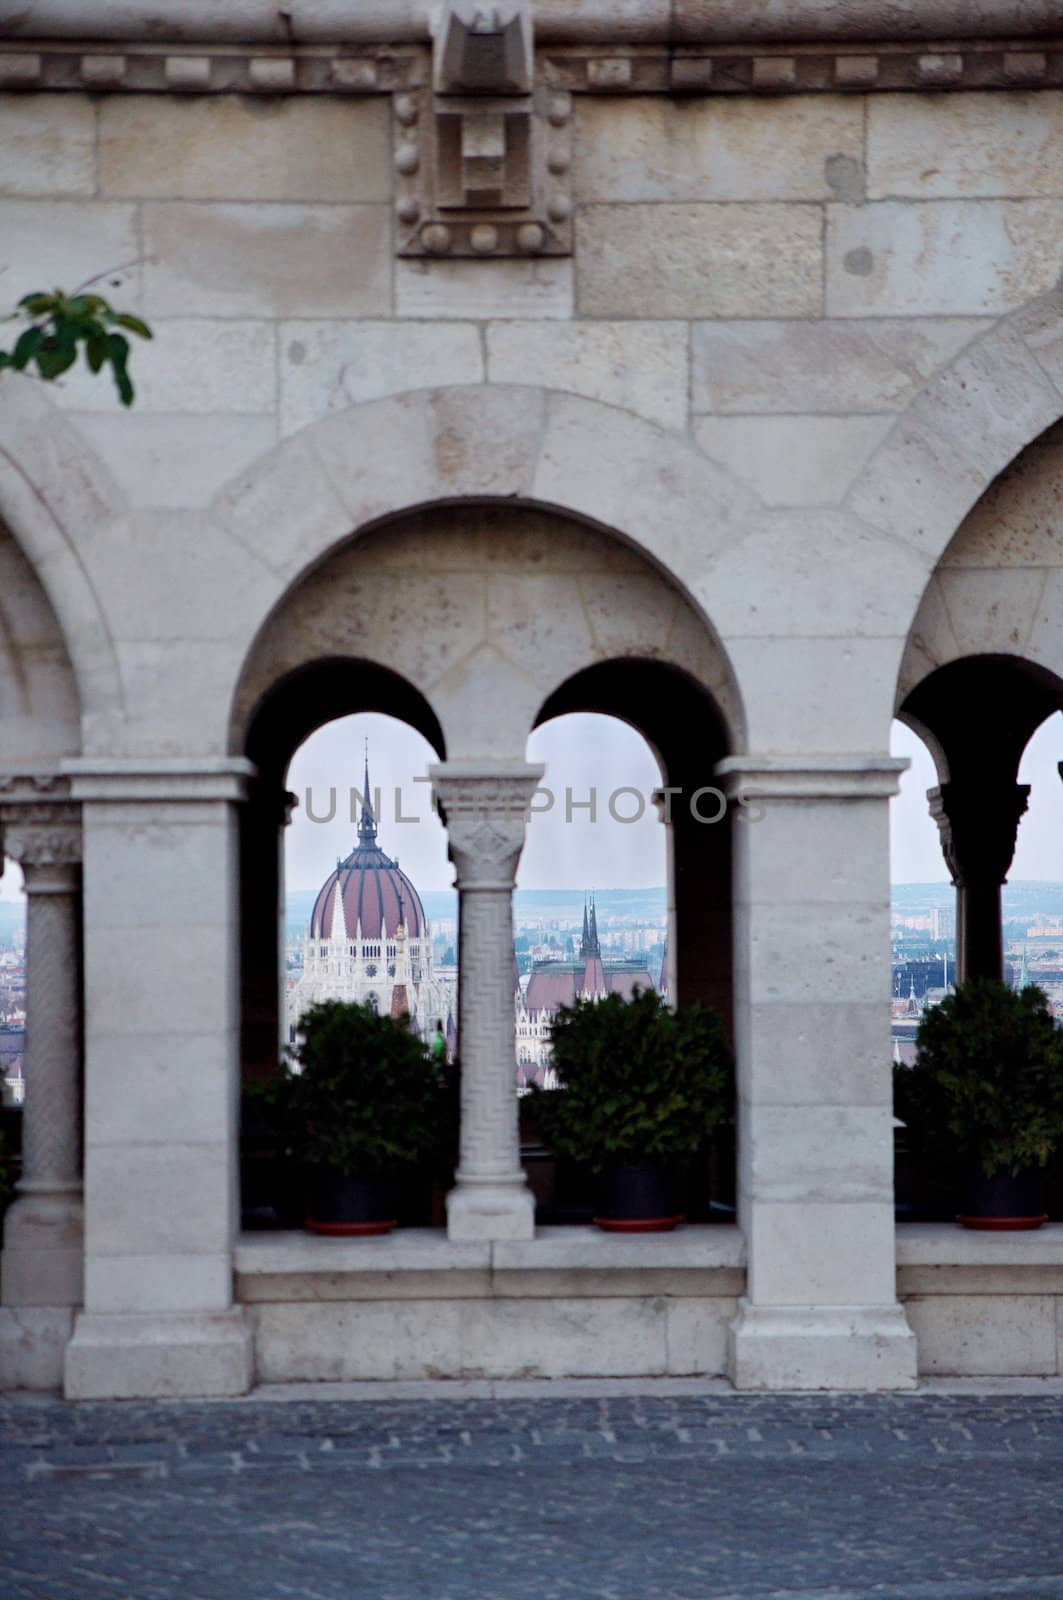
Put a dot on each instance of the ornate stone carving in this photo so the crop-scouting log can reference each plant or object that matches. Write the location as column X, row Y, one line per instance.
column 486, row 812
column 483, row 157
column 978, row 823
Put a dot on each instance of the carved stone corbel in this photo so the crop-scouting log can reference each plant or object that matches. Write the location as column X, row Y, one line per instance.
column 483, row 155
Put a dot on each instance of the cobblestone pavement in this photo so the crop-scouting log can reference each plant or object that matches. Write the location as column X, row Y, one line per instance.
column 689, row 1497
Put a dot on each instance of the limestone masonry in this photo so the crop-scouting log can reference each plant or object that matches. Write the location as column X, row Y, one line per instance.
column 702, row 364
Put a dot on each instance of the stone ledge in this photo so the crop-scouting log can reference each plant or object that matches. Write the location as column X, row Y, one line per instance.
column 422, row 1263
column 944, row 1244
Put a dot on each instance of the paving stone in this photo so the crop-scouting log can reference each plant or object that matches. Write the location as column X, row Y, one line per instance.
column 743, row 1497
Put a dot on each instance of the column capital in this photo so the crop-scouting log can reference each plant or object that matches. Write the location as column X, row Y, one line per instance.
column 978, row 820
column 811, row 777
column 45, row 839
column 485, row 808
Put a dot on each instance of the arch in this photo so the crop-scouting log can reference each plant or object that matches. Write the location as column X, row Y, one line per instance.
column 963, row 430
column 485, row 608
column 998, row 588
column 347, row 473
column 55, row 494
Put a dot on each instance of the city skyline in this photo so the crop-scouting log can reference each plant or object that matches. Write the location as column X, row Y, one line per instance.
column 584, row 752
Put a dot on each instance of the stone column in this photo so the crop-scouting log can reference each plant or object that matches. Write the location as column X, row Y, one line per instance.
column 161, row 1081
column 42, row 1269
column 485, row 810
column 978, row 819
column 815, row 1136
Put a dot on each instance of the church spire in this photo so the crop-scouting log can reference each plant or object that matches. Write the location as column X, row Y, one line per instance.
column 367, row 821
column 594, row 948
column 585, row 942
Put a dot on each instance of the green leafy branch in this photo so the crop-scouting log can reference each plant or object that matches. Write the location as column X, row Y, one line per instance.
column 59, row 323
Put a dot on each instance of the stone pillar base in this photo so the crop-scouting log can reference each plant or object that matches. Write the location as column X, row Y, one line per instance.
column 491, row 1211
column 43, row 1261
column 33, row 1341
column 821, row 1347
column 185, row 1355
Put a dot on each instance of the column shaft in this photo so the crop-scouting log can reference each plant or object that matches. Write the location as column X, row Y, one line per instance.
column 485, row 811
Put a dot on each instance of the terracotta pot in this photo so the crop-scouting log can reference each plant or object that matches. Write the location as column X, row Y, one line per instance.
column 638, row 1199
column 349, row 1207
column 1009, row 1202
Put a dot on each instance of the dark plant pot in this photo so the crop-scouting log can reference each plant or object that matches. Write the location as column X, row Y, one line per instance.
column 349, row 1207
column 638, row 1200
column 1007, row 1202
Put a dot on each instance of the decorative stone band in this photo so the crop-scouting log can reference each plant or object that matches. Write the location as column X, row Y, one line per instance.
column 485, row 809
column 166, row 782
column 612, row 66
column 840, row 777
column 568, row 22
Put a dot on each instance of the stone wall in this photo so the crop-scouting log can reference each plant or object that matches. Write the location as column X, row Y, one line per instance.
column 754, row 424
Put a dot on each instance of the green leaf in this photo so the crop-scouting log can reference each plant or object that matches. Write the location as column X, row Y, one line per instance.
column 96, row 350
column 26, row 348
column 134, row 324
column 53, row 362
column 37, row 304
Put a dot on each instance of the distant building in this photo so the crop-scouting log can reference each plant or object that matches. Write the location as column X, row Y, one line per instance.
column 553, row 984
column 368, row 940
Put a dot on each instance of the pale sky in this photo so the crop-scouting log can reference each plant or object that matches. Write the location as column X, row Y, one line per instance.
column 582, row 753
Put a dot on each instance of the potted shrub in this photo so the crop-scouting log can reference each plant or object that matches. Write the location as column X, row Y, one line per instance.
column 984, row 1099
column 640, row 1089
column 362, row 1101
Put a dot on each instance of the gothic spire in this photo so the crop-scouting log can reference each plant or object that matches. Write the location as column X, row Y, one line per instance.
column 594, row 948
column 367, row 821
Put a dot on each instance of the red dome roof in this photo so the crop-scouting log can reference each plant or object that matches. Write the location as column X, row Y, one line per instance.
column 376, row 895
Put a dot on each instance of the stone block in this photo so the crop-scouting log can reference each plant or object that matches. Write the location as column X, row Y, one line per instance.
column 641, row 366
column 628, row 475
column 179, row 974
column 178, row 1084
column 189, row 366
column 327, row 366
column 33, row 1343
column 917, row 487
column 720, row 148
column 245, row 147
column 160, row 1197
column 138, row 1357
column 630, row 614
column 958, row 257
column 813, row 1053
column 285, row 511
column 794, row 460
column 1011, row 526
column 49, row 242
column 158, row 1282
column 993, row 612
column 964, row 146
column 995, row 396
column 818, row 1154
column 823, row 366
column 700, row 260
column 831, row 1254
column 984, row 1335
column 176, row 461
column 696, row 1334
column 263, row 260
column 760, row 584
column 1041, row 325
column 540, row 625
column 484, row 289
column 49, row 145
column 786, row 859
column 851, row 944
column 855, row 678
column 802, row 1347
